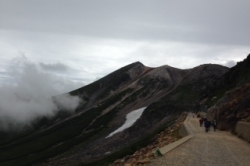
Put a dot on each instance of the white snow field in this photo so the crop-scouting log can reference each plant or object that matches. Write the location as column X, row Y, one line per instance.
column 131, row 118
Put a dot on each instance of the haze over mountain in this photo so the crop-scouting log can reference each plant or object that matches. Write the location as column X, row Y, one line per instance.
column 29, row 95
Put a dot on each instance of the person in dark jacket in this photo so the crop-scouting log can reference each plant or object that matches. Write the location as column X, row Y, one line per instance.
column 215, row 125
column 207, row 125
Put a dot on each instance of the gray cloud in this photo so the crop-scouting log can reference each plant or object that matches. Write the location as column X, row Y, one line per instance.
column 89, row 58
column 54, row 67
column 230, row 63
column 30, row 97
column 214, row 22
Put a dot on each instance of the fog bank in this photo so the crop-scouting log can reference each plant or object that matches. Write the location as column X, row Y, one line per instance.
column 29, row 96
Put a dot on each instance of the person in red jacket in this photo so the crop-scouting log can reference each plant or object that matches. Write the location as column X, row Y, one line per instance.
column 201, row 121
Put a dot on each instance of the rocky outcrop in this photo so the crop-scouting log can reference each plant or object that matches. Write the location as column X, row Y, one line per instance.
column 230, row 97
column 233, row 107
column 237, row 75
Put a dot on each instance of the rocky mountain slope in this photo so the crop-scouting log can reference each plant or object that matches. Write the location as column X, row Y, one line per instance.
column 231, row 96
column 80, row 139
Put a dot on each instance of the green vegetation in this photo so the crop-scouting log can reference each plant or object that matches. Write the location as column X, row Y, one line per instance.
column 212, row 101
column 185, row 94
column 182, row 98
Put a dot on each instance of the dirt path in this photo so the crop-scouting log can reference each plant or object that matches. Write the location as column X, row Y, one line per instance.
column 207, row 149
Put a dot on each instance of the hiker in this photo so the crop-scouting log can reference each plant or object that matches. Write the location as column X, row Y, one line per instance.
column 215, row 125
column 201, row 121
column 207, row 124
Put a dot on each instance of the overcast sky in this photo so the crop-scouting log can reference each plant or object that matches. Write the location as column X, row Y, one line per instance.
column 82, row 41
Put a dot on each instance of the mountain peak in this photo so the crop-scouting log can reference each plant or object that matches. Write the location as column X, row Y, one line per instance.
column 137, row 63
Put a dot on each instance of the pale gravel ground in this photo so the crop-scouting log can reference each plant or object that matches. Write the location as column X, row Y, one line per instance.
column 207, row 149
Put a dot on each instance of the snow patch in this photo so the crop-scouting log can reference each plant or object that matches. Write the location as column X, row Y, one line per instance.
column 131, row 118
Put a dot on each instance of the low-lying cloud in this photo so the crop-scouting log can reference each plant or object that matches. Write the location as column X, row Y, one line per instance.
column 54, row 67
column 230, row 63
column 30, row 95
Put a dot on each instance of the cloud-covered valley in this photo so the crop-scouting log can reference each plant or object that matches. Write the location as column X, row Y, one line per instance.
column 29, row 96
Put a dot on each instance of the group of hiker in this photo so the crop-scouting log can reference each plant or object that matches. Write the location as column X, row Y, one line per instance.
column 207, row 124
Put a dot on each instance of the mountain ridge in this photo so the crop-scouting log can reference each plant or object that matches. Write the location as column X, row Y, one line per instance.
column 165, row 91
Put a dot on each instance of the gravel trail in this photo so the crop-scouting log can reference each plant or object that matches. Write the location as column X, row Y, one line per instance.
column 218, row 148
